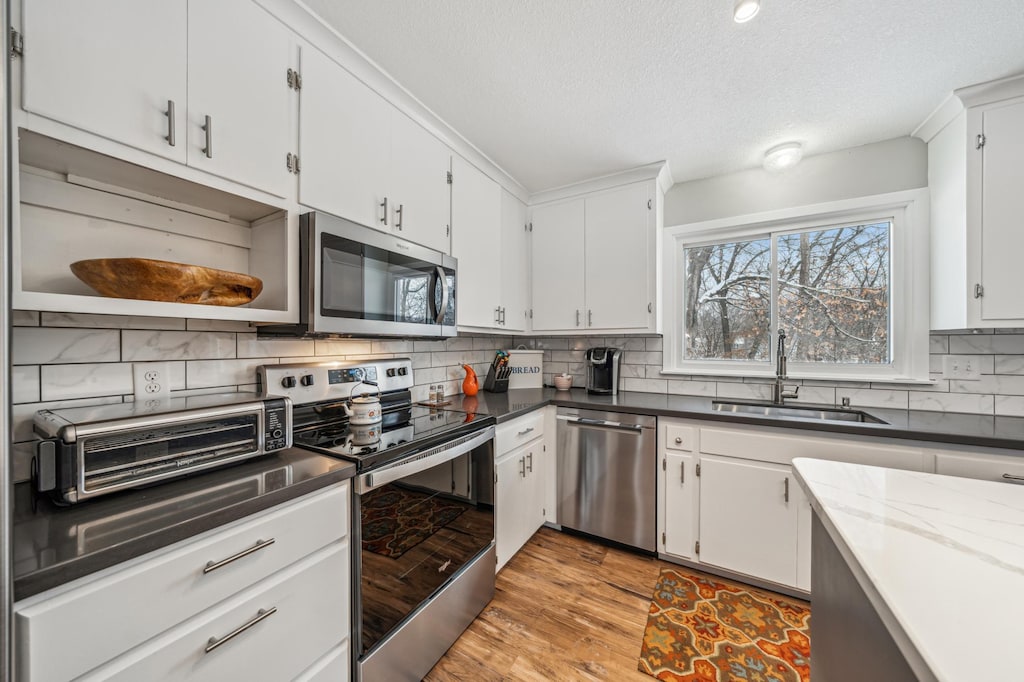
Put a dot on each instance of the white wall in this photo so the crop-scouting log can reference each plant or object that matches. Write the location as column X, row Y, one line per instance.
column 888, row 166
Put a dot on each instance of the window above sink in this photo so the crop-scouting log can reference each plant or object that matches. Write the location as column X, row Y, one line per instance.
column 847, row 282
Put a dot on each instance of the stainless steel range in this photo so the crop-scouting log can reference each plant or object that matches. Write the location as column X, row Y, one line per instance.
column 423, row 504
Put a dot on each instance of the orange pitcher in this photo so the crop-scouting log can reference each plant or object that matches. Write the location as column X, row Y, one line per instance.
column 470, row 385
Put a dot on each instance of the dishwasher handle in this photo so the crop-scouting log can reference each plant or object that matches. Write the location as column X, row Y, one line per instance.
column 602, row 423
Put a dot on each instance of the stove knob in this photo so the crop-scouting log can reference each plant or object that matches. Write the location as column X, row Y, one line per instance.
column 402, row 371
column 307, row 380
column 288, row 382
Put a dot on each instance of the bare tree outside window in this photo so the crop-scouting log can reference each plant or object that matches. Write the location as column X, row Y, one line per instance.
column 832, row 296
column 728, row 301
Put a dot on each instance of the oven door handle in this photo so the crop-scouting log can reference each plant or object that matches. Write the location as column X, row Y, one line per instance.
column 422, row 461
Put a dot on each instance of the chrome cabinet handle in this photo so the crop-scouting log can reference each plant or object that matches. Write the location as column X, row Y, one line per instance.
column 529, row 462
column 522, row 467
column 497, row 315
column 1011, row 477
column 384, row 205
column 208, row 129
column 577, row 318
column 502, row 316
column 171, row 139
column 398, row 213
column 262, row 614
column 786, row 494
column 682, row 472
column 525, row 431
column 590, row 318
column 679, row 441
column 214, row 565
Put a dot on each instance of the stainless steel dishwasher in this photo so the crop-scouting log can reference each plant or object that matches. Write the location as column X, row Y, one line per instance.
column 606, row 475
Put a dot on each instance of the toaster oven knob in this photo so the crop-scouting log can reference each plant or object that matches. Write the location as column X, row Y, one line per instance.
column 307, row 380
column 402, row 371
column 390, row 372
column 276, row 433
column 288, row 382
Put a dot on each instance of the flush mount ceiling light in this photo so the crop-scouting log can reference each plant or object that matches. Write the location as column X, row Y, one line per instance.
column 745, row 10
column 783, row 156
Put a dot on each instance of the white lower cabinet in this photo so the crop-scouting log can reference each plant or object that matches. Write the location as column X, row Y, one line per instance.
column 1002, row 468
column 681, row 504
column 155, row 616
column 334, row 667
column 521, row 486
column 748, row 519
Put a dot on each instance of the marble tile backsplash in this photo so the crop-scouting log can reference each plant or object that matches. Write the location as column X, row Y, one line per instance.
column 999, row 354
column 64, row 360
column 67, row 360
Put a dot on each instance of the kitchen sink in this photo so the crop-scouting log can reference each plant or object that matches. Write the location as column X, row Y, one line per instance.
column 796, row 412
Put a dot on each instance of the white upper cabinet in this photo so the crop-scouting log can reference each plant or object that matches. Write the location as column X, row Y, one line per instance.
column 595, row 261
column 619, row 252
column 559, row 297
column 110, row 67
column 1002, row 211
column 975, row 165
column 162, row 77
column 421, row 195
column 238, row 95
column 476, row 243
column 344, row 143
column 515, row 272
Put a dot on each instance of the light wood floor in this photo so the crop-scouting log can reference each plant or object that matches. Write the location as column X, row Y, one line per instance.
column 565, row 609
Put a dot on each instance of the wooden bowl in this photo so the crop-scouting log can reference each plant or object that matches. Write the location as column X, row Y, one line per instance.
column 159, row 280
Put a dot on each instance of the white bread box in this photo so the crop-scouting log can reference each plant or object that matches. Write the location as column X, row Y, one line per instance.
column 527, row 368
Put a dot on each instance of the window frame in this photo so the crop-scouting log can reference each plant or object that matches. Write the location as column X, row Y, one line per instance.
column 909, row 285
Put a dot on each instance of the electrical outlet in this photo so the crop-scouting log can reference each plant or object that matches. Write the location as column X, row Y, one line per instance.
column 152, row 380
column 962, row 367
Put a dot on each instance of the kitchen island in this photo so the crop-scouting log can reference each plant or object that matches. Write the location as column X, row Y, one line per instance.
column 915, row 576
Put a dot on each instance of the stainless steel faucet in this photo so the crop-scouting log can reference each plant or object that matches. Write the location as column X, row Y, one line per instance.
column 779, row 392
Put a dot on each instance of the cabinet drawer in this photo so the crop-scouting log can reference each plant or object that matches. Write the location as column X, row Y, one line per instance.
column 69, row 630
column 305, row 611
column 986, row 467
column 335, row 666
column 679, row 437
column 518, row 431
column 783, row 448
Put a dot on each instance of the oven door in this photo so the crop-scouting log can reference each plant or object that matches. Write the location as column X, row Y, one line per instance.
column 364, row 281
column 421, row 521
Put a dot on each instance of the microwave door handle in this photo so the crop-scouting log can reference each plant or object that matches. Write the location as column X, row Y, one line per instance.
column 445, row 293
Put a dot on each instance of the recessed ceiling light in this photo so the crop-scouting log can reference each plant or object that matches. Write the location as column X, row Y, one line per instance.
column 745, row 10
column 783, row 156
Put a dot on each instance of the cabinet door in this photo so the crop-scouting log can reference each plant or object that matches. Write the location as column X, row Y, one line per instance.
column 344, row 143
column 1002, row 205
column 239, row 85
column 536, row 492
column 681, row 509
column 109, row 67
column 748, row 520
column 618, row 258
column 476, row 243
column 509, row 504
column 515, row 270
column 558, row 273
column 421, row 195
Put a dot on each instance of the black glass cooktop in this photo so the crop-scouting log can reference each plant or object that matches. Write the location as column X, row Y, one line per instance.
column 402, row 431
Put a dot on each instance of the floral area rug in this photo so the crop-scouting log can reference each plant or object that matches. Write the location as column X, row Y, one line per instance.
column 396, row 519
column 711, row 630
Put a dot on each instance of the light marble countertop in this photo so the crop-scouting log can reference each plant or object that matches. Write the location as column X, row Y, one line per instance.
column 941, row 559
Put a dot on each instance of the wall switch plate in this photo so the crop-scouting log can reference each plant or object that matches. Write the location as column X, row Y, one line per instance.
column 962, row 367
column 152, row 380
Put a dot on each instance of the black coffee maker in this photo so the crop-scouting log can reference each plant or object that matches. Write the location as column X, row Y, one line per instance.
column 603, row 370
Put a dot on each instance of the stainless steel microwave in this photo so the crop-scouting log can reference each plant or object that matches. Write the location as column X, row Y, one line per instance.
column 357, row 281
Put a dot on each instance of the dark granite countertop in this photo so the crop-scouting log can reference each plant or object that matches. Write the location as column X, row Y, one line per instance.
column 54, row 545
column 976, row 430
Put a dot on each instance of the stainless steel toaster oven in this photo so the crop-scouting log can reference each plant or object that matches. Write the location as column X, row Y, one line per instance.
column 85, row 452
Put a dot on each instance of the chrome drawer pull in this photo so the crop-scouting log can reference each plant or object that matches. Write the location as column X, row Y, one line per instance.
column 525, row 431
column 1011, row 477
column 214, row 565
column 262, row 614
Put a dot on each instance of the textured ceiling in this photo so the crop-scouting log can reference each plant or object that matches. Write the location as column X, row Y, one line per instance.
column 558, row 91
